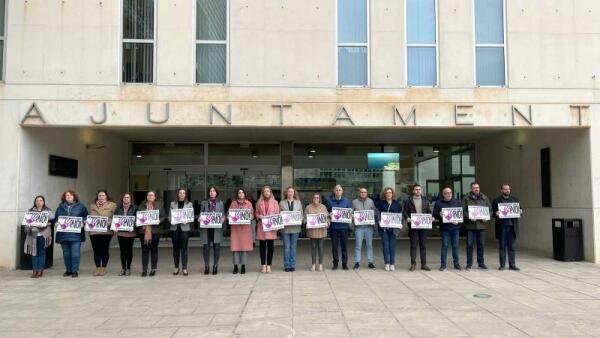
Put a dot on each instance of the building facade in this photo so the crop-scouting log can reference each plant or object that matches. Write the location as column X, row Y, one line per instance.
column 155, row 94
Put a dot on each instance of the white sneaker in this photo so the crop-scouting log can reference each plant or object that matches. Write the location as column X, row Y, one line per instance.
column 313, row 268
column 320, row 267
column 392, row 267
column 387, row 267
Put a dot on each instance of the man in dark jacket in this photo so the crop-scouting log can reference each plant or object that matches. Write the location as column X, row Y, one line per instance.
column 476, row 227
column 450, row 231
column 339, row 231
column 507, row 229
column 418, row 237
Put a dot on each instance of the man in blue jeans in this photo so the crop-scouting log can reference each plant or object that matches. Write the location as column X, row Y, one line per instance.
column 507, row 229
column 450, row 230
column 339, row 231
column 363, row 202
column 475, row 227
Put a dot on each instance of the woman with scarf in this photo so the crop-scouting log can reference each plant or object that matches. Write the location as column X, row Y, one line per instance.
column 265, row 206
column 126, row 238
column 180, row 233
column 316, row 235
column 39, row 238
column 241, row 234
column 102, row 206
column 212, row 235
column 71, row 242
column 150, row 236
column 290, row 233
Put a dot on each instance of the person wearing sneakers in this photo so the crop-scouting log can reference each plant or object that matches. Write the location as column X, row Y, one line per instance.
column 418, row 204
column 449, row 231
column 339, row 231
column 290, row 233
column 71, row 242
column 475, row 228
column 266, row 205
column 388, row 235
column 507, row 229
column 363, row 202
column 103, row 206
column 316, row 235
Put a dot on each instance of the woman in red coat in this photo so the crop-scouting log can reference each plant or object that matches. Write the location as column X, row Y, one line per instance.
column 266, row 205
column 241, row 234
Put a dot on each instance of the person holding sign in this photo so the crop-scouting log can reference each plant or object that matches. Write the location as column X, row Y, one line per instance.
column 317, row 222
column 100, row 239
column 126, row 207
column 39, row 236
column 340, row 225
column 150, row 236
column 212, row 235
column 181, row 224
column 240, row 216
column 364, row 225
column 448, row 211
column 388, row 232
column 417, row 204
column 291, row 232
column 71, row 208
column 507, row 212
column 266, row 205
column 477, row 208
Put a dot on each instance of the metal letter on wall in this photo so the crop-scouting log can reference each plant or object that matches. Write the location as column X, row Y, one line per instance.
column 104, row 115
column 281, row 106
column 527, row 119
column 345, row 117
column 149, row 114
column 579, row 108
column 412, row 115
column 460, row 117
column 214, row 109
column 33, row 112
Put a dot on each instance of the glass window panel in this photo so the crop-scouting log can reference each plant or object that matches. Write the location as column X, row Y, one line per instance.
column 211, row 63
column 352, row 66
column 352, row 21
column 420, row 18
column 490, row 66
column 489, row 22
column 422, row 66
column 138, row 19
column 211, row 20
column 138, row 62
column 2, row 14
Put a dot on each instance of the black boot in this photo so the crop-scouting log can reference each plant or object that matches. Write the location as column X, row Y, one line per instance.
column 243, row 269
column 206, row 269
column 215, row 269
column 235, row 269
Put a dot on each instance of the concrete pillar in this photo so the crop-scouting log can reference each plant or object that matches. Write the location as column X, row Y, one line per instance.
column 287, row 165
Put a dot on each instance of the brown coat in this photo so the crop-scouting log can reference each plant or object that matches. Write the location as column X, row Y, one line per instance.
column 318, row 209
column 107, row 210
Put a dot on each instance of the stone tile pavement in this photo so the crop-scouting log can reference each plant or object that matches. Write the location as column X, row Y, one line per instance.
column 547, row 298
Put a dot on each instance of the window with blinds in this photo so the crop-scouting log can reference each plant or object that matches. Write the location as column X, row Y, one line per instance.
column 138, row 41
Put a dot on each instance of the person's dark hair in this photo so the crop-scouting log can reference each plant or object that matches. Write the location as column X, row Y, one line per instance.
column 177, row 194
column 43, row 199
column 130, row 196
column 504, row 185
column 155, row 195
column 69, row 191
column 216, row 190
column 415, row 186
column 447, row 187
column 474, row 183
column 105, row 192
column 237, row 191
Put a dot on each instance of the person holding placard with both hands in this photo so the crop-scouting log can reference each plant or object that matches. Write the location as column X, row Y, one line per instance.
column 150, row 237
column 70, row 216
column 417, row 204
column 389, row 205
column 126, row 207
column 507, row 212
column 212, row 235
column 241, row 229
column 447, row 211
column 39, row 236
column 364, row 226
column 338, row 206
column 477, row 207
column 265, row 206
column 180, row 229
column 290, row 233
column 103, row 207
column 317, row 222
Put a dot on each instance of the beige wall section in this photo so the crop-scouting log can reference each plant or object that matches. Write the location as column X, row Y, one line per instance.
column 455, row 28
column 175, row 43
column 520, row 166
column 388, row 48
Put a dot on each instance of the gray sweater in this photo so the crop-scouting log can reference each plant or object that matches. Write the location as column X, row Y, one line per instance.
column 297, row 206
column 367, row 204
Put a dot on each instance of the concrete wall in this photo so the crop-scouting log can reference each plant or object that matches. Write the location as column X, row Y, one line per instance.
column 571, row 182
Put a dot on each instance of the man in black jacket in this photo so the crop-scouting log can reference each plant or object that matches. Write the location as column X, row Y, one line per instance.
column 416, row 203
column 507, row 229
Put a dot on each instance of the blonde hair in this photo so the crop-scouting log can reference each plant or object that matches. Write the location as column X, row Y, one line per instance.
column 262, row 192
column 384, row 191
column 296, row 194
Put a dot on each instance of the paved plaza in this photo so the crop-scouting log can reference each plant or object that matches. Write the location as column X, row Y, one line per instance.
column 546, row 298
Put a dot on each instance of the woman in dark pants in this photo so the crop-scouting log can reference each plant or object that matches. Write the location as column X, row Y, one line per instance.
column 150, row 236
column 210, row 235
column 180, row 233
column 126, row 207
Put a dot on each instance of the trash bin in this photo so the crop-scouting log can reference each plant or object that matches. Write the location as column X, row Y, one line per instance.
column 567, row 238
column 25, row 259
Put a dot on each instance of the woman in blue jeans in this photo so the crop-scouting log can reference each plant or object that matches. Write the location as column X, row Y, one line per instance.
column 290, row 233
column 389, row 204
column 71, row 242
column 450, row 231
column 39, row 238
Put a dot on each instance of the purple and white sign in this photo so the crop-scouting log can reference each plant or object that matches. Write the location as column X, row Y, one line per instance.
column 364, row 217
column 240, row 216
column 341, row 215
column 123, row 223
column 509, row 210
column 391, row 220
column 35, row 219
column 421, row 221
column 182, row 216
column 272, row 222
column 96, row 223
column 147, row 217
column 479, row 213
column 316, row 221
column 452, row 215
column 211, row 220
column 69, row 224
column 292, row 217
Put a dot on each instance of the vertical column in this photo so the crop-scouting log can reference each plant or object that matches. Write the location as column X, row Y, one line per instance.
column 287, row 165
